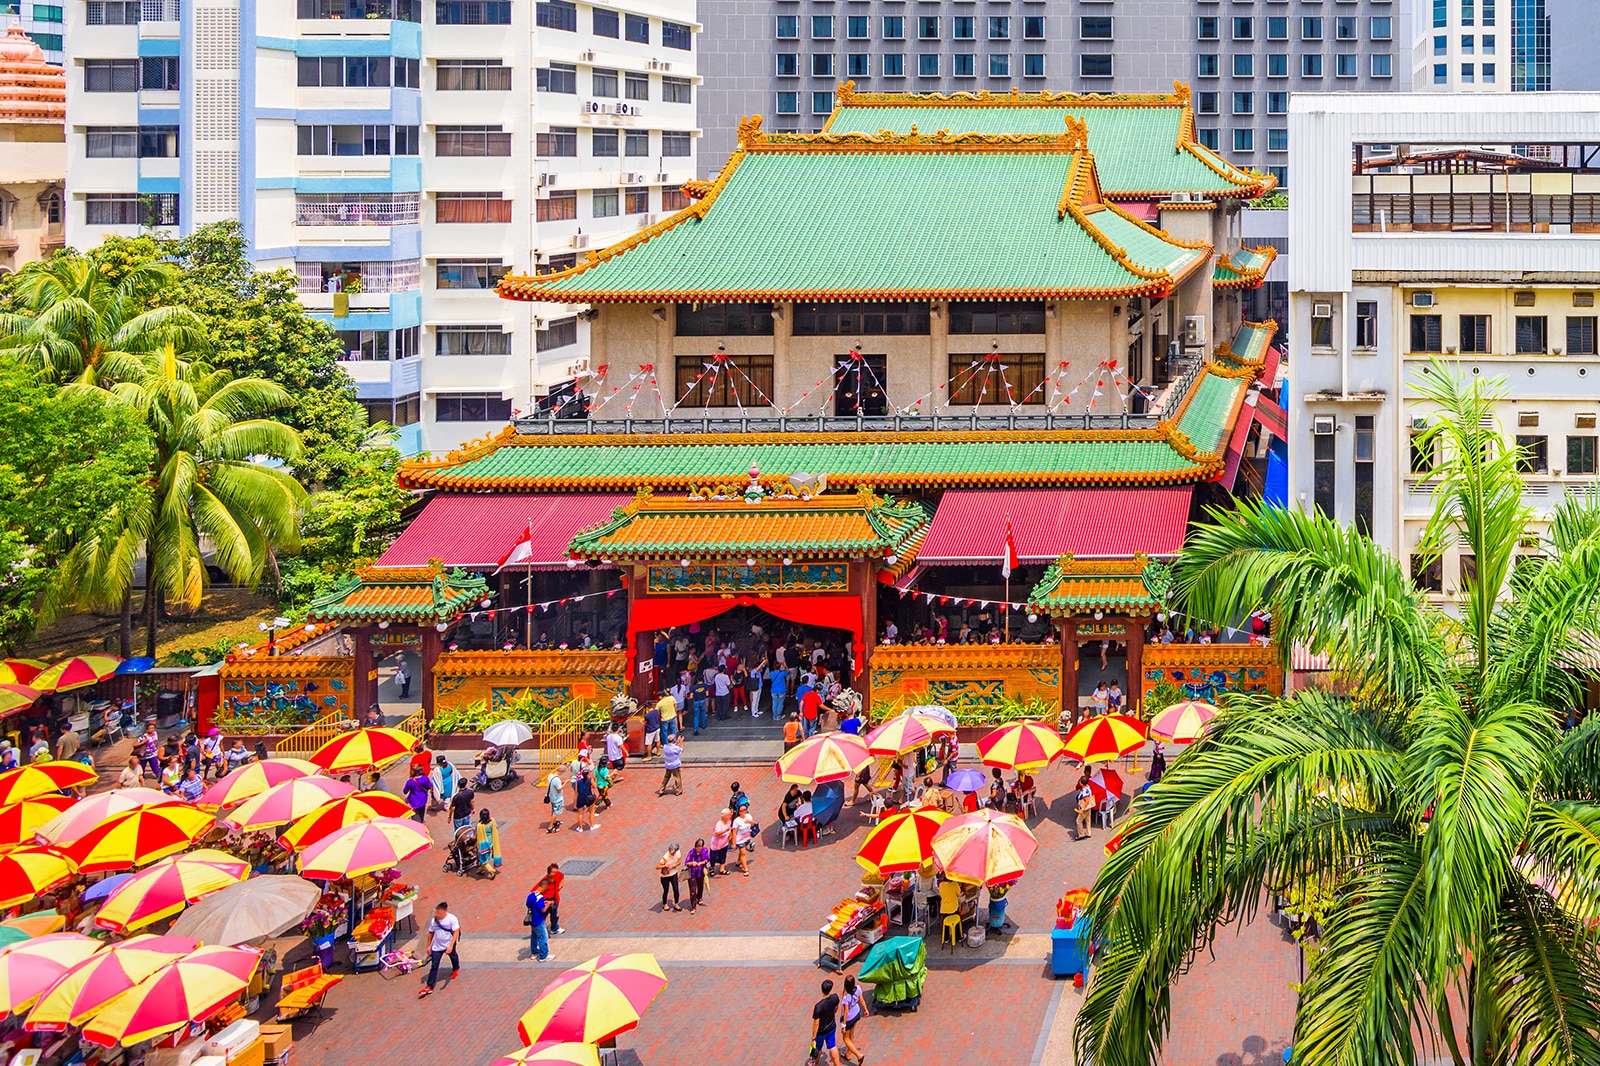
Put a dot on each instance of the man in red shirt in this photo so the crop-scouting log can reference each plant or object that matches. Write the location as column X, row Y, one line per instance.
column 810, row 708
column 550, row 888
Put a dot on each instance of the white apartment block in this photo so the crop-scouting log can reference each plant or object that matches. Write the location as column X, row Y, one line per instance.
column 1493, row 268
column 399, row 156
column 1465, row 46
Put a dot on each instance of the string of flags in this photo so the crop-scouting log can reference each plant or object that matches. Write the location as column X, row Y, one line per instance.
column 546, row 605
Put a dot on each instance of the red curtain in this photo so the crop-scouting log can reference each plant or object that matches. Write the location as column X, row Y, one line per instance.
column 836, row 612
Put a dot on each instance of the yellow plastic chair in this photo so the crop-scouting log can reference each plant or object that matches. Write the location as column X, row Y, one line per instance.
column 950, row 911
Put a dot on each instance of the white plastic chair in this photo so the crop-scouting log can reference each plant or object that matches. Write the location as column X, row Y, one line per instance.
column 791, row 830
column 1107, row 811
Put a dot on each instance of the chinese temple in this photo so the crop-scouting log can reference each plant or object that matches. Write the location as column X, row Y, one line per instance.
column 956, row 364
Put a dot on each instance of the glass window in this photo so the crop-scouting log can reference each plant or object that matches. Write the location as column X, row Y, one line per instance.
column 556, row 15
column 1277, row 103
column 999, row 28
column 1365, row 454
column 636, row 28
column 1441, row 73
column 1424, row 454
column 1441, row 44
column 673, row 199
column 894, row 27
column 788, row 26
column 562, row 333
column 1466, row 44
column 788, row 64
column 1321, row 328
column 604, row 82
column 1033, row 66
column 821, row 103
column 1277, row 65
column 1427, row 333
column 605, row 203
column 1382, row 28
column 1366, row 310
column 963, row 28
column 788, row 103
column 1475, row 333
column 1095, row 27
column 1533, row 454
column 97, row 13
column 467, row 75
column 635, row 201
column 1469, row 72
column 822, row 64
column 1277, row 140
column 1311, row 66
column 822, row 27
column 1441, row 13
column 472, row 12
column 1094, row 66
column 606, row 23
column 1344, row 28
column 963, row 65
column 52, row 13
column 474, row 340
column 122, row 142
column 1488, row 72
column 1208, row 138
column 856, row 319
column 636, row 143
column 1244, row 103
column 1033, row 28
column 999, row 65
column 1207, row 28
column 676, row 91
column 1486, row 8
column 1466, row 12
column 1532, row 335
column 1581, row 454
column 990, row 316
column 1244, row 65
column 1347, row 65
column 1244, row 29
column 1206, row 66
column 858, row 27
column 161, row 73
column 454, row 207
column 1487, row 40
column 1206, row 103
column 1580, row 335
column 1427, row 574
column 1324, row 473
column 928, row 27
column 471, row 407
column 724, row 320
column 1383, row 65
column 1277, row 28
column 1244, row 140
column 480, row 141
column 479, row 274
column 743, row 381
column 1311, row 28
column 1015, row 377
column 676, row 144
column 927, row 66
column 556, row 78
column 676, row 35
column 894, row 64
column 560, row 206
column 636, row 86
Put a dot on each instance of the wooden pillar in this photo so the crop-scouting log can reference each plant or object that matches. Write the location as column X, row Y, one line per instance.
column 366, row 671
column 865, row 572
column 1069, row 666
column 1135, row 632
column 432, row 644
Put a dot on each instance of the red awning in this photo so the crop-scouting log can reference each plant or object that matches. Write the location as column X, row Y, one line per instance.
column 1269, row 369
column 969, row 524
column 1241, row 432
column 1143, row 210
column 1273, row 418
column 476, row 532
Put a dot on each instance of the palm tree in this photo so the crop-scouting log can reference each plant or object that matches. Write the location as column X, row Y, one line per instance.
column 1433, row 805
column 78, row 324
column 213, row 478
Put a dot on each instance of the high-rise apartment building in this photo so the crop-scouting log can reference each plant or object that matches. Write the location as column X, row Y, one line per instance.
column 42, row 22
column 1537, row 46
column 399, row 156
column 1243, row 58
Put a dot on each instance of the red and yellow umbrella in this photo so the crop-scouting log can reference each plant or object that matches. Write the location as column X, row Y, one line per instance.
column 828, row 757
column 164, row 888
column 1104, row 737
column 376, row 844
column 593, row 1002
column 139, row 836
column 282, row 804
column 906, row 732
column 342, row 812
column 37, row 923
column 20, row 671
column 901, row 842
column 552, row 1053
column 250, row 781
column 15, row 697
column 191, row 989
column 28, row 871
column 1105, row 782
column 28, row 968
column 71, row 824
column 19, row 820
column 983, row 848
column 1183, row 723
column 43, row 778
column 362, row 748
column 1020, row 746
column 80, row 671
column 100, row 978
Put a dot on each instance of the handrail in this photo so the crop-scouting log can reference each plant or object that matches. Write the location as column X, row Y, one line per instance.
column 559, row 735
column 549, row 426
column 305, row 741
column 416, row 725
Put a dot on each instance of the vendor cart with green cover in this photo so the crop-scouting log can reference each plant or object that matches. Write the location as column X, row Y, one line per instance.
column 896, row 968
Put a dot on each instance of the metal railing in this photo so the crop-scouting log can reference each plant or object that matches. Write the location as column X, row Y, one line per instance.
column 416, row 725
column 559, row 734
column 305, row 741
column 834, row 423
column 359, row 211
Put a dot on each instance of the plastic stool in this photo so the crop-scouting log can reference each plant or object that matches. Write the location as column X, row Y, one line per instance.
column 951, row 930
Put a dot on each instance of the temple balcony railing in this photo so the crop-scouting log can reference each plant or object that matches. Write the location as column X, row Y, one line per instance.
column 546, row 426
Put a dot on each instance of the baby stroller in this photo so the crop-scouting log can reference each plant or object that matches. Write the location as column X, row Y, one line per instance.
column 462, row 854
column 896, row 968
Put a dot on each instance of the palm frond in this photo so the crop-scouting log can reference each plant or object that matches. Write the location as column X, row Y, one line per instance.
column 1547, row 983
column 1575, row 763
column 1563, row 855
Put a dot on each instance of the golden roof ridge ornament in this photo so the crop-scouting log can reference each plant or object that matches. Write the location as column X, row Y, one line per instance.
column 1076, row 138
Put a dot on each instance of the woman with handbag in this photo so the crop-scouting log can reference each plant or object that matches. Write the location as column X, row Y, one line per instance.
column 698, row 862
column 667, row 867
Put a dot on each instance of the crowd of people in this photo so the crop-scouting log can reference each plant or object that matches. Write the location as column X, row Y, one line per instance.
column 714, row 674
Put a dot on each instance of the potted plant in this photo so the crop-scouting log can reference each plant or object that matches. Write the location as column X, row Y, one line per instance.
column 320, row 924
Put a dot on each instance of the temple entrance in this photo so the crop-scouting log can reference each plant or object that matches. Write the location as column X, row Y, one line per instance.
column 1102, row 660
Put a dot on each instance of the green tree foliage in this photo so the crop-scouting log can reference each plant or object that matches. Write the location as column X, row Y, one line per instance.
column 67, row 461
column 1451, row 831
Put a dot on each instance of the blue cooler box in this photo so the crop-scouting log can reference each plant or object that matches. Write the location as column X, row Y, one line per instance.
column 1069, row 949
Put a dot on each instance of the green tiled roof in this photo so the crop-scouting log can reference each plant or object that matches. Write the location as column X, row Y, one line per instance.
column 817, row 222
column 1245, row 268
column 1135, row 148
column 1134, row 585
column 1205, row 419
column 1250, row 343
column 406, row 595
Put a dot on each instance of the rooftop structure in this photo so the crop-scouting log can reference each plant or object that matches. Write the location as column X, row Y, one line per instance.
column 33, row 160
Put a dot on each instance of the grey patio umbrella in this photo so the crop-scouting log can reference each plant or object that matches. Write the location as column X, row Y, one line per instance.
column 264, row 906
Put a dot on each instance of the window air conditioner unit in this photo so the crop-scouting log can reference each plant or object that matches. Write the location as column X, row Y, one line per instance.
column 1527, row 418
column 1322, row 425
column 624, row 108
column 1322, row 310
column 1422, row 299
column 1583, row 299
column 1194, row 329
column 580, row 240
column 655, row 64
column 586, row 57
column 661, row 179
column 632, row 178
column 1583, row 421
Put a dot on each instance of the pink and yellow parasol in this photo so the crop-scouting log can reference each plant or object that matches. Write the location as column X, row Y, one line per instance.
column 190, row 989
column 80, row 671
column 20, row 820
column 1183, row 723
column 363, row 748
column 376, row 844
column 71, row 824
column 906, row 732
column 43, row 778
column 20, row 671
column 16, row 697
column 1020, row 746
column 94, row 982
column 285, row 803
column 1104, row 737
column 593, row 1002
column 552, row 1053
column 26, row 872
column 827, row 757
column 164, row 888
column 983, row 848
column 901, row 842
column 30, row 967
column 139, row 836
column 252, row 780
column 342, row 812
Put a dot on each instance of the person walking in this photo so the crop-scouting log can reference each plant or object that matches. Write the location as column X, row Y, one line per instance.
column 667, row 868
column 853, row 1005
column 824, row 1027
column 652, row 726
column 616, row 750
column 584, row 800
column 602, row 783
column 744, row 838
column 550, row 886
column 671, row 766
column 722, row 690
column 1084, row 808
column 780, row 689
column 444, row 930
column 402, row 679
column 417, row 791
column 721, row 840
column 488, row 843
column 132, row 775
column 752, row 683
column 738, row 686
column 538, row 936
column 556, row 797
column 698, row 862
column 461, row 805
column 443, row 778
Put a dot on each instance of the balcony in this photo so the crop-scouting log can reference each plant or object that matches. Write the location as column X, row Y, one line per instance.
column 358, row 210
column 371, row 11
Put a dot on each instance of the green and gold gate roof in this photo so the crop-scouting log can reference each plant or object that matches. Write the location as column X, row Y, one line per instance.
column 425, row 595
column 1071, row 586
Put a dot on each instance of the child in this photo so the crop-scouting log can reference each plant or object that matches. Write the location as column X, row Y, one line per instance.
column 602, row 782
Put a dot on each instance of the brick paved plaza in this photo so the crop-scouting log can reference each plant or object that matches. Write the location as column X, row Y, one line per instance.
column 741, row 971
